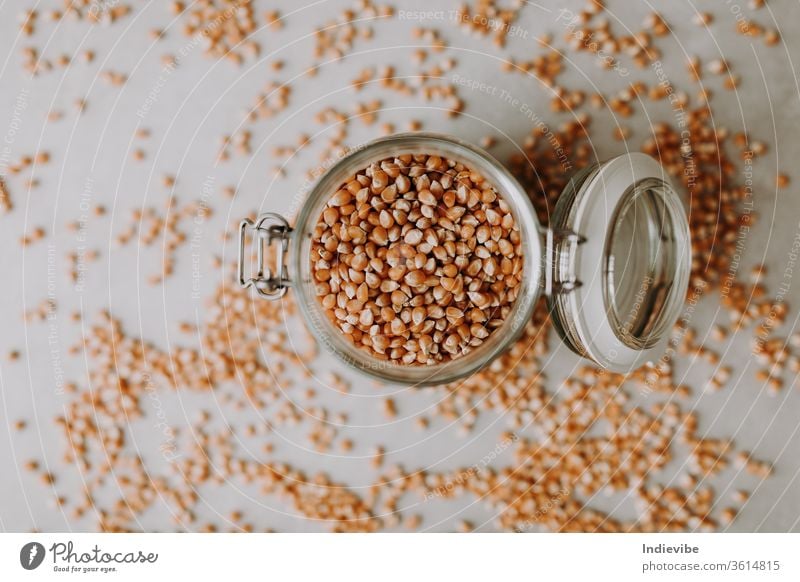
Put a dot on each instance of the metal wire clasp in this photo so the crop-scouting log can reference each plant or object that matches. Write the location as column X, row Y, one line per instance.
column 267, row 228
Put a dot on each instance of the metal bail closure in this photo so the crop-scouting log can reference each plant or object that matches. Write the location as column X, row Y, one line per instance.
column 268, row 228
column 621, row 262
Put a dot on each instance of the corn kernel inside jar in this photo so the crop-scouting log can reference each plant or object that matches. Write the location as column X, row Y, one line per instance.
column 417, row 259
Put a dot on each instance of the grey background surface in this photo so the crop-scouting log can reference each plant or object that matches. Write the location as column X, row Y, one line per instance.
column 203, row 99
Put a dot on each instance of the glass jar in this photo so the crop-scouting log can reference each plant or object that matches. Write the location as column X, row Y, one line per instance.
column 614, row 263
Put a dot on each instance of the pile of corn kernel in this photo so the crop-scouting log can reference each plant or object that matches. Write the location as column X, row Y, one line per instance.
column 417, row 259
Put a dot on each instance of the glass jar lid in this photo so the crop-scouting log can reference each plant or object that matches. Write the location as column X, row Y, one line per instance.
column 620, row 273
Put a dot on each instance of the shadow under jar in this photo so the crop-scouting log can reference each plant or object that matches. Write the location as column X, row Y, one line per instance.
column 614, row 263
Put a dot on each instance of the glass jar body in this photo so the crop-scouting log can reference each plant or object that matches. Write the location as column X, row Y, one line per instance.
column 332, row 337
